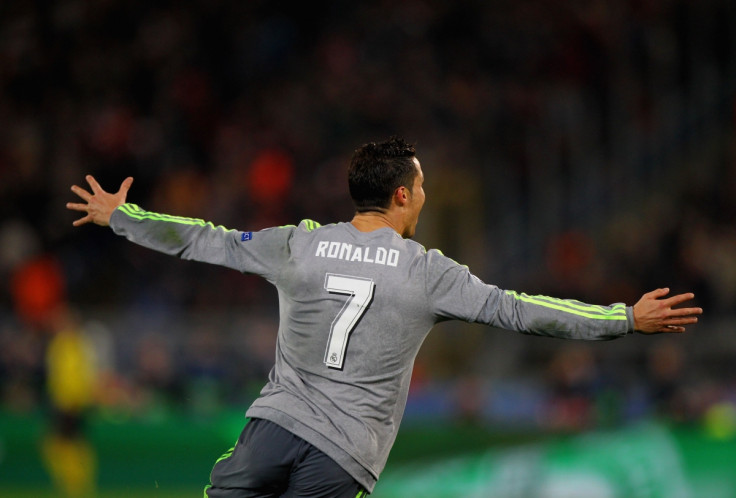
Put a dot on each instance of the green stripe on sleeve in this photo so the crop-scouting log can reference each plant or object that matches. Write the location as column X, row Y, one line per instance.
column 133, row 211
column 594, row 311
column 615, row 309
column 310, row 225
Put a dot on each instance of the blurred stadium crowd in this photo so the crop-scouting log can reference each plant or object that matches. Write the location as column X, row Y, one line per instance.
column 579, row 149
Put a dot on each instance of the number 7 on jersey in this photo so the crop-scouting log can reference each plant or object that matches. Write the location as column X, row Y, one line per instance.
column 360, row 292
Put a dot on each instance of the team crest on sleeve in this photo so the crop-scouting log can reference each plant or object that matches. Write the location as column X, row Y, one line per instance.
column 246, row 236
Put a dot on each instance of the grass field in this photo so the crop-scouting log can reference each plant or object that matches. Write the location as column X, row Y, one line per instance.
column 172, row 458
column 122, row 493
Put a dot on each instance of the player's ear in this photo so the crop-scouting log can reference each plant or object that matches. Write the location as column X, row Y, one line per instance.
column 402, row 195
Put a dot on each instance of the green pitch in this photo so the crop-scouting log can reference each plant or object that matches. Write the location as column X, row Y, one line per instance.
column 126, row 493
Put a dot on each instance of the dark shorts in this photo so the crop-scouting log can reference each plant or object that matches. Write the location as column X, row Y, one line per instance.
column 269, row 461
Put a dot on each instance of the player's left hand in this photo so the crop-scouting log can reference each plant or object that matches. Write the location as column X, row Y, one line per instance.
column 99, row 204
column 653, row 314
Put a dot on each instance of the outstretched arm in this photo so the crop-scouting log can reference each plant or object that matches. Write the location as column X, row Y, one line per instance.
column 571, row 319
column 457, row 294
column 261, row 253
column 654, row 315
column 99, row 205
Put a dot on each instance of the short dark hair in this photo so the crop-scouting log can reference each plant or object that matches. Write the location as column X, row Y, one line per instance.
column 377, row 169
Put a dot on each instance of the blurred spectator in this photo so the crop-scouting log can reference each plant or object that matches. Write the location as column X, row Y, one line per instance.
column 71, row 380
column 574, row 383
column 157, row 380
column 21, row 368
column 39, row 291
column 667, row 380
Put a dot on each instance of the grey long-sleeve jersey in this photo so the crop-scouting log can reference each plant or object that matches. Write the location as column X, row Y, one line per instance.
column 355, row 308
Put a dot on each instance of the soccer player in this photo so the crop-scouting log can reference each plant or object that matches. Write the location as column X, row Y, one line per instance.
column 356, row 301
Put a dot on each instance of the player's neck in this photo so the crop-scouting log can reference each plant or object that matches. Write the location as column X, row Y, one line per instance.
column 369, row 221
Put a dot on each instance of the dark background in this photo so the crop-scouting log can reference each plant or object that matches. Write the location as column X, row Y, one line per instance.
column 581, row 149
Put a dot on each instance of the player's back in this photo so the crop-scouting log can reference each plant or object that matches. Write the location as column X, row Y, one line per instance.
column 354, row 312
column 353, row 303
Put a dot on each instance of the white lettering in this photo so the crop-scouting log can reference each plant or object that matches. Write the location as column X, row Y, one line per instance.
column 381, row 256
column 345, row 251
column 349, row 252
column 333, row 249
column 366, row 259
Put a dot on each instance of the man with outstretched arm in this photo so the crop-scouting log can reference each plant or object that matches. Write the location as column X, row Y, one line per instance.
column 356, row 301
